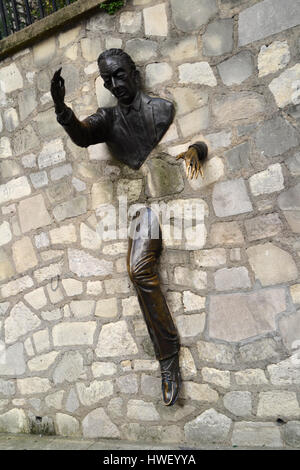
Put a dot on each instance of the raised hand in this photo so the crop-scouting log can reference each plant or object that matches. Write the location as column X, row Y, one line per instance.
column 58, row 91
column 193, row 164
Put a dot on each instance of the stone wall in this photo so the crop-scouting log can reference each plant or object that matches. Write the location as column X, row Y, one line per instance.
column 75, row 355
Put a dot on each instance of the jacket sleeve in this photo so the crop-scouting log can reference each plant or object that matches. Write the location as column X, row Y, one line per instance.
column 202, row 150
column 92, row 130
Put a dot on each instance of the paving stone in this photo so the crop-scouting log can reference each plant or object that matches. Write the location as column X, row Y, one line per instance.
column 14, row 361
column 208, row 428
column 158, row 73
column 198, row 72
column 232, row 278
column 98, row 425
column 238, row 403
column 251, row 377
column 260, row 350
column 67, row 425
column 237, row 69
column 266, row 261
column 234, row 317
column 226, row 233
column 220, row 378
column 267, row 18
column 115, row 340
column 24, row 255
column 10, row 78
column 194, row 279
column 69, row 368
column 180, row 49
column 73, row 208
column 238, row 157
column 188, row 99
column 273, row 58
column 85, row 265
column 94, row 392
column 14, row 421
column 74, row 333
column 155, row 20
column 291, row 433
column 11, row 119
column 239, row 105
column 33, row 213
column 275, row 137
column 192, row 14
column 249, row 434
column 190, row 325
column 278, row 404
column 231, row 198
column 131, row 22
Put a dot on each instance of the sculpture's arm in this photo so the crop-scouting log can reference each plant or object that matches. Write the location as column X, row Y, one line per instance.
column 194, row 158
column 90, row 131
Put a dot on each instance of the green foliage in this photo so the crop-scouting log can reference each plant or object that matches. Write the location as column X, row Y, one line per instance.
column 112, row 6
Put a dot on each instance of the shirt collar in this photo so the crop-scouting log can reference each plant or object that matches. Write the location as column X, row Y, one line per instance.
column 136, row 104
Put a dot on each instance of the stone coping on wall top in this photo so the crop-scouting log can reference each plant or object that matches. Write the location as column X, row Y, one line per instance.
column 45, row 26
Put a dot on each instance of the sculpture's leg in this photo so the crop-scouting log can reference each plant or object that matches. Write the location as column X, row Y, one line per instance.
column 143, row 254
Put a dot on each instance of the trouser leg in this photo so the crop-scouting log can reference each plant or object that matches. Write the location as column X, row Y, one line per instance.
column 143, row 254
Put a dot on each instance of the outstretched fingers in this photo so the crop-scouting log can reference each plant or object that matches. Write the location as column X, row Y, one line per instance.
column 181, row 155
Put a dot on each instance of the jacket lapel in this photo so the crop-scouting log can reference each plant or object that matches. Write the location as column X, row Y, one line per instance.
column 147, row 109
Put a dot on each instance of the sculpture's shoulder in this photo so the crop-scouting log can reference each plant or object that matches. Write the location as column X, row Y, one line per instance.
column 161, row 105
column 106, row 113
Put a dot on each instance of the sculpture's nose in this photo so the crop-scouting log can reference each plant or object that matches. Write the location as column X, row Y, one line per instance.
column 114, row 82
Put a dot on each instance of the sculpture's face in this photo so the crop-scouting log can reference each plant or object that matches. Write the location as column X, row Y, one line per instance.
column 119, row 78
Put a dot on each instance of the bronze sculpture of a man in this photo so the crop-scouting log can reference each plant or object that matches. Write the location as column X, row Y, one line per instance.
column 131, row 130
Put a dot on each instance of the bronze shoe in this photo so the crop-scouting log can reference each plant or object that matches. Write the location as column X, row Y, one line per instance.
column 171, row 379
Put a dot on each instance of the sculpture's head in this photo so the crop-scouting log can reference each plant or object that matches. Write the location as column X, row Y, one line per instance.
column 119, row 74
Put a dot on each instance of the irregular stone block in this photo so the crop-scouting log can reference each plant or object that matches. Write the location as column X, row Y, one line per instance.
column 72, row 403
column 11, row 119
column 102, row 369
column 249, row 434
column 24, row 255
column 13, row 288
column 69, row 209
column 212, row 353
column 43, row 362
column 267, row 18
column 180, row 49
column 267, row 181
column 263, row 226
column 190, row 325
column 278, row 404
column 33, row 213
column 20, row 321
column 158, row 73
column 187, row 364
column 68, row 36
column 190, row 15
column 218, row 38
column 14, row 421
column 98, row 425
column 232, row 278
column 131, row 22
column 6, row 270
column 192, row 301
column 107, row 308
column 115, row 340
column 10, row 78
column 33, row 385
column 85, row 265
column 7, row 387
column 44, row 51
column 285, row 372
column 12, row 361
column 163, row 179
column 239, row 105
column 198, row 72
column 289, row 327
column 130, row 188
column 141, row 50
column 128, row 384
column 141, row 410
column 14, row 189
column 231, row 198
column 275, row 137
column 251, row 377
column 25, row 140
column 237, row 69
column 208, row 428
column 200, row 392
column 226, row 233
column 188, row 99
column 267, row 261
column 193, row 279
column 238, row 403
column 221, row 378
column 74, row 333
column 291, row 433
column 5, row 149
column 273, row 58
column 67, row 425
column 91, row 48
column 5, row 233
column 95, row 392
column 238, row 157
column 27, row 102
column 69, row 368
column 260, row 350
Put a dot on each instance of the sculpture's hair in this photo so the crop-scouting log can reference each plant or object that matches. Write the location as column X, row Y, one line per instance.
column 116, row 52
